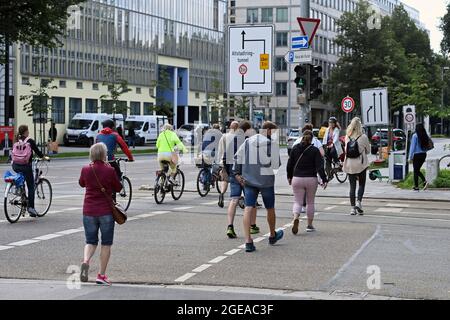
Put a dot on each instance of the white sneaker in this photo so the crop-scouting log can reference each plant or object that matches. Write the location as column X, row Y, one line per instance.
column 353, row 212
column 359, row 207
column 303, row 210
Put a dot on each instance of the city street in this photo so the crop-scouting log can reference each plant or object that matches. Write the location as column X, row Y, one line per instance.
column 179, row 250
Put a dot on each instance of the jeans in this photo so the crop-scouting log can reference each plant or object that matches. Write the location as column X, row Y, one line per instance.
column 235, row 188
column 251, row 196
column 418, row 161
column 103, row 223
column 27, row 171
column 361, row 177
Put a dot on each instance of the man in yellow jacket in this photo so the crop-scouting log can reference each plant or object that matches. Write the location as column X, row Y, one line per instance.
column 166, row 144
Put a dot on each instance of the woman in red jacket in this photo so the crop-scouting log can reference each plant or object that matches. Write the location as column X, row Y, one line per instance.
column 97, row 212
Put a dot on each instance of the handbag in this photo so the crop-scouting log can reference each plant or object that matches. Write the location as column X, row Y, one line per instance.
column 118, row 212
column 174, row 156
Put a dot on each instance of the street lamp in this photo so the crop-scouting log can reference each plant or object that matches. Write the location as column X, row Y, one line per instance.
column 442, row 98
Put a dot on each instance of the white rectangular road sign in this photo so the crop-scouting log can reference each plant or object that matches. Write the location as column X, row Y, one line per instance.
column 299, row 56
column 250, row 51
column 374, row 106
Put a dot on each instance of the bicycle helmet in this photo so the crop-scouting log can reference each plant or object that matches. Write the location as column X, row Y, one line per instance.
column 108, row 124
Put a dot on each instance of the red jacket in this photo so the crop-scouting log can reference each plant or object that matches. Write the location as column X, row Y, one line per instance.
column 95, row 202
column 111, row 138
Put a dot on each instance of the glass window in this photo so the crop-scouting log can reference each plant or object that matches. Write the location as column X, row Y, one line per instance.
column 91, row 105
column 282, row 15
column 267, row 15
column 148, row 106
column 252, row 15
column 135, row 108
column 282, row 39
column 25, row 80
column 95, row 86
column 58, row 110
column 74, row 107
column 79, row 85
column 138, row 90
column 281, row 89
column 280, row 64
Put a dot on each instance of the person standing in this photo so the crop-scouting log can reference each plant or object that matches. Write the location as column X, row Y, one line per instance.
column 357, row 147
column 420, row 144
column 131, row 136
column 331, row 140
column 100, row 181
column 254, row 166
column 53, row 133
column 302, row 168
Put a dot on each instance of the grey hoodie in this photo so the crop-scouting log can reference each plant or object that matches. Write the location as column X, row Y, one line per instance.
column 256, row 160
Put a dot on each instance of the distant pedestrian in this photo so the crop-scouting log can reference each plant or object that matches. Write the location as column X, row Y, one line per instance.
column 255, row 162
column 53, row 133
column 303, row 166
column 357, row 147
column 100, row 181
column 131, row 136
column 421, row 143
column 120, row 131
column 332, row 142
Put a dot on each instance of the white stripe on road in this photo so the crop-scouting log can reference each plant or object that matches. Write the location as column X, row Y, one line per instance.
column 185, row 277
column 231, row 252
column 22, row 243
column 145, row 215
column 329, row 208
column 69, row 196
column 5, row 248
column 70, row 209
column 218, row 259
column 389, row 210
column 160, row 212
column 208, row 203
column 259, row 239
column 343, row 202
column 202, row 268
column 48, row 237
column 63, row 183
column 67, row 232
column 403, row 205
column 182, row 208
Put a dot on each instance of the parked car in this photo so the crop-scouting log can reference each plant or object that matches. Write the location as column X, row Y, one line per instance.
column 380, row 139
column 293, row 135
column 146, row 128
column 187, row 132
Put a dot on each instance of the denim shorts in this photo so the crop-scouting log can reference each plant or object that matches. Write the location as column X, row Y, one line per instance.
column 235, row 188
column 103, row 223
column 251, row 195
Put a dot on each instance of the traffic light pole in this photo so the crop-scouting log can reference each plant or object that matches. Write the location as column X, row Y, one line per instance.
column 304, row 108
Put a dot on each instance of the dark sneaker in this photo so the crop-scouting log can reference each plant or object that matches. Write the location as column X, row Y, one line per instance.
column 84, row 272
column 250, row 247
column 230, row 233
column 278, row 236
column 220, row 203
column 254, row 230
column 416, row 189
column 295, row 226
column 33, row 213
column 310, row 229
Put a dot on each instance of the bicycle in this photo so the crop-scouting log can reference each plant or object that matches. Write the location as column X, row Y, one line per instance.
column 163, row 185
column 126, row 193
column 210, row 175
column 16, row 201
column 334, row 170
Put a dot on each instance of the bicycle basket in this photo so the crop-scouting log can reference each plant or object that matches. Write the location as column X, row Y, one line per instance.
column 16, row 178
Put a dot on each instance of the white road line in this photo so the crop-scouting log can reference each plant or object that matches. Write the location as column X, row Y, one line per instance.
column 390, row 217
column 202, row 268
column 63, row 183
column 353, row 258
column 133, row 218
column 145, row 215
column 68, row 196
column 55, row 211
column 208, row 203
column 231, row 252
column 259, row 239
column 218, row 259
column 5, row 248
column 185, row 277
column 70, row 209
column 48, row 237
column 330, row 208
column 160, row 212
column 404, row 205
column 67, row 232
column 389, row 210
column 182, row 208
column 343, row 202
column 22, row 243
column 242, row 246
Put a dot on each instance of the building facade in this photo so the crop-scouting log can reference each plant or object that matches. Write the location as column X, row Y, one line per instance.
column 143, row 42
column 283, row 14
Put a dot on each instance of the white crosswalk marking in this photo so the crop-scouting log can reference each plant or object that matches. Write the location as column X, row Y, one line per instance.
column 202, row 268
column 218, row 259
column 231, row 252
column 48, row 237
column 22, row 243
column 185, row 277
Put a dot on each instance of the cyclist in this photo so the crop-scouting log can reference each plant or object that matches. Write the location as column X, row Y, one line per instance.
column 166, row 143
column 111, row 139
column 332, row 142
column 22, row 157
column 210, row 145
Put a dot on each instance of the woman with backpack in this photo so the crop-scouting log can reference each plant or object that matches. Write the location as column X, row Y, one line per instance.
column 22, row 157
column 357, row 147
column 420, row 144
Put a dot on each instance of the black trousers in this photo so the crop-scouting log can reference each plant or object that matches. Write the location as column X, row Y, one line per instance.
column 418, row 161
column 361, row 177
column 27, row 171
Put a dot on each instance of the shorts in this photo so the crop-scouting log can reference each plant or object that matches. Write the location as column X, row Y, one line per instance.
column 251, row 195
column 103, row 223
column 236, row 189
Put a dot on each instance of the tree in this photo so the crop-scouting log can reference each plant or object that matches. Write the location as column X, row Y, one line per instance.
column 216, row 102
column 445, row 27
column 37, row 22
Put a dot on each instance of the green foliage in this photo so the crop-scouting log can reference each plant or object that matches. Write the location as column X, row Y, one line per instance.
column 116, row 88
column 443, row 179
column 445, row 27
column 37, row 22
column 408, row 183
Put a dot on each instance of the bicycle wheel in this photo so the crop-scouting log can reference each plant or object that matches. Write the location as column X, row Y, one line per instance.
column 125, row 194
column 43, row 197
column 219, row 181
column 159, row 192
column 341, row 176
column 202, row 187
column 177, row 189
column 329, row 171
column 13, row 203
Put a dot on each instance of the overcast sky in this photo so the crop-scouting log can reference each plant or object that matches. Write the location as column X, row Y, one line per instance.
column 430, row 13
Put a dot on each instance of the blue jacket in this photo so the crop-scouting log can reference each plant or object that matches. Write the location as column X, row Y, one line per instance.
column 415, row 147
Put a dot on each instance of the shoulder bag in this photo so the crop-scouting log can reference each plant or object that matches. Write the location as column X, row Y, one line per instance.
column 301, row 156
column 119, row 214
column 174, row 156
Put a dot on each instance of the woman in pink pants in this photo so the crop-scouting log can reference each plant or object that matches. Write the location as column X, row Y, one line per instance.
column 303, row 166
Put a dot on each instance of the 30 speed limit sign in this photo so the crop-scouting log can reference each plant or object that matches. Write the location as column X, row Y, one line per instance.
column 348, row 104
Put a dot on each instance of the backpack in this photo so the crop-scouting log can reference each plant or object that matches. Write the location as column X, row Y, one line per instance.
column 21, row 152
column 352, row 151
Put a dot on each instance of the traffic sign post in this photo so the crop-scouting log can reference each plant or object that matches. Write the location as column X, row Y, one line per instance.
column 309, row 27
column 299, row 56
column 347, row 105
column 250, row 51
column 374, row 106
column 409, row 118
column 300, row 43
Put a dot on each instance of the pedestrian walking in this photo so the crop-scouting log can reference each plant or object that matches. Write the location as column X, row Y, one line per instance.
column 302, row 168
column 100, row 180
column 357, row 147
column 254, row 166
column 421, row 143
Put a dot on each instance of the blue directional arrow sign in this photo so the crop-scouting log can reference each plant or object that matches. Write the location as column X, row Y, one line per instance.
column 300, row 42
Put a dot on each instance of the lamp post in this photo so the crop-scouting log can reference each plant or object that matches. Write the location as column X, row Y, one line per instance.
column 442, row 98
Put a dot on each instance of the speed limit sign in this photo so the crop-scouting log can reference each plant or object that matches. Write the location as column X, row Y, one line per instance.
column 348, row 104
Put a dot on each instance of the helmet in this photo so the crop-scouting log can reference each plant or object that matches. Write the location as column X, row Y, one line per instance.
column 332, row 119
column 108, row 124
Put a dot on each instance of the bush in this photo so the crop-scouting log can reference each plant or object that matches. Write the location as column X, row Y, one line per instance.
column 443, row 179
column 408, row 183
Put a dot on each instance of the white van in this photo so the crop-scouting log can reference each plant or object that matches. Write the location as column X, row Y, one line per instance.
column 84, row 127
column 146, row 128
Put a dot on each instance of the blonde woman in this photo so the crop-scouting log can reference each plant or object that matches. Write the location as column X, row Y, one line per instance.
column 357, row 147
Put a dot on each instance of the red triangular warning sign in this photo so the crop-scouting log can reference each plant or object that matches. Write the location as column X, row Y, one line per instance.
column 309, row 27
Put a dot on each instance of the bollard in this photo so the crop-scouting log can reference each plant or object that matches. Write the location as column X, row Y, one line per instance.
column 432, row 170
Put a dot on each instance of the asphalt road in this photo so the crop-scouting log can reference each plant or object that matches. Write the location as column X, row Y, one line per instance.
column 184, row 243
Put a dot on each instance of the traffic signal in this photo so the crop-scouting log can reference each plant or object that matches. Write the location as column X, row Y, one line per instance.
column 315, row 82
column 300, row 79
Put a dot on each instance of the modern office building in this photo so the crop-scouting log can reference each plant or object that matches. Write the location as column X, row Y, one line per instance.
column 179, row 41
column 283, row 14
